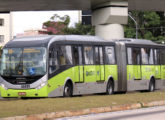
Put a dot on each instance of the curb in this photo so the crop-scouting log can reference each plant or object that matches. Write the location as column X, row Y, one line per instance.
column 54, row 115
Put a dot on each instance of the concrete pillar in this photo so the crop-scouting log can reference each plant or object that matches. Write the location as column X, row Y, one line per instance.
column 109, row 17
column 110, row 31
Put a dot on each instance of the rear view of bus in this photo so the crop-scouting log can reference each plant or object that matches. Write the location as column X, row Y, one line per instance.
column 23, row 69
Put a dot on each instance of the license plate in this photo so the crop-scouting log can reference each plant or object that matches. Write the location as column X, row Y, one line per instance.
column 25, row 86
column 22, row 93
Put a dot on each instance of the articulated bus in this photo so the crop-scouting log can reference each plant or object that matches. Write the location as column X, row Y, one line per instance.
column 66, row 65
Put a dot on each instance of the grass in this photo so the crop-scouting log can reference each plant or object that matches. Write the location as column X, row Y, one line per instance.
column 20, row 107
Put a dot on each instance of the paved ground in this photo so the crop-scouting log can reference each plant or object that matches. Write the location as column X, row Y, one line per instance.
column 153, row 113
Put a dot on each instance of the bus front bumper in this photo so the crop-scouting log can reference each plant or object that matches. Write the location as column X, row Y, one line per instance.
column 24, row 93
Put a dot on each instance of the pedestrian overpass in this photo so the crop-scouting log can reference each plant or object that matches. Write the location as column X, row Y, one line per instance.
column 108, row 16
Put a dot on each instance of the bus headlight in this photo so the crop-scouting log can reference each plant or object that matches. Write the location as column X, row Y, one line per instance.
column 3, row 86
column 41, row 85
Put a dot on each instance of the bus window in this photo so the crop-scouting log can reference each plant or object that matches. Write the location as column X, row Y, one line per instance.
column 144, row 54
column 65, row 55
column 80, row 55
column 151, row 57
column 109, row 55
column 77, row 52
column 147, row 56
column 53, row 62
column 157, row 56
column 129, row 56
column 88, row 55
column 97, row 55
column 136, row 56
column 101, row 55
column 0, row 54
column 163, row 57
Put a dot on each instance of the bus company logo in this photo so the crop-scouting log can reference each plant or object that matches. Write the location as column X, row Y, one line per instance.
column 90, row 73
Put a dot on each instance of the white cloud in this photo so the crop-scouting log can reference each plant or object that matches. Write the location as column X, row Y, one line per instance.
column 31, row 20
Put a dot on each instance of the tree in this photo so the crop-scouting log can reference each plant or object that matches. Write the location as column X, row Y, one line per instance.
column 60, row 25
column 56, row 24
column 79, row 29
column 151, row 26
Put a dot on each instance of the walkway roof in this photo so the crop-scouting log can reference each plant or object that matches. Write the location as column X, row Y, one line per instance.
column 38, row 5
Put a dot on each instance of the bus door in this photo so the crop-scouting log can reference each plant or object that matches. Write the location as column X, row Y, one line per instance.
column 79, row 68
column 157, row 63
column 89, row 64
column 147, row 67
column 99, row 63
column 134, row 67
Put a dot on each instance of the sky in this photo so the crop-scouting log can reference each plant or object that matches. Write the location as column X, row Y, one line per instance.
column 33, row 20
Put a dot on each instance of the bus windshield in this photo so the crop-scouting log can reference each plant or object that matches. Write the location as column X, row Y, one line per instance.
column 23, row 61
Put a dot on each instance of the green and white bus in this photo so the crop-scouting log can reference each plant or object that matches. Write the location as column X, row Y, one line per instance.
column 66, row 65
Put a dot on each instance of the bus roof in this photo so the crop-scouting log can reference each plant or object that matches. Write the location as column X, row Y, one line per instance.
column 136, row 41
column 45, row 40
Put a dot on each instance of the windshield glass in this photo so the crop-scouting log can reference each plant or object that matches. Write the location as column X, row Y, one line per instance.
column 23, row 61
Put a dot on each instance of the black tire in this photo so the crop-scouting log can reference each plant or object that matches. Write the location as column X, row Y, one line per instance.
column 110, row 88
column 122, row 92
column 151, row 86
column 68, row 90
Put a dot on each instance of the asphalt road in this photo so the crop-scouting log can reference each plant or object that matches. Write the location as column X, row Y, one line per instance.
column 152, row 113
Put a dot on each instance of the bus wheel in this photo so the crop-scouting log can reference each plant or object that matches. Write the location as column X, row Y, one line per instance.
column 110, row 88
column 151, row 86
column 68, row 90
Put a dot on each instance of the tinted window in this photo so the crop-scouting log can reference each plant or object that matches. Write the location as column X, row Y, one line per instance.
column 129, row 56
column 147, row 56
column 65, row 55
column 80, row 55
column 163, row 56
column 144, row 52
column 77, row 52
column 151, row 57
column 88, row 55
column 53, row 62
column 101, row 55
column 157, row 56
column 136, row 56
column 109, row 55
column 97, row 55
